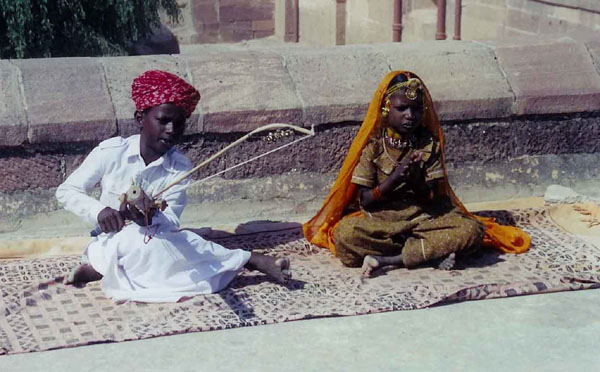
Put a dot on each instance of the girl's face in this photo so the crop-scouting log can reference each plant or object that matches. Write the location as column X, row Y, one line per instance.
column 405, row 114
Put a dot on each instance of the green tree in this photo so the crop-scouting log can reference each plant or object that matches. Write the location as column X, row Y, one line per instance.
column 67, row 28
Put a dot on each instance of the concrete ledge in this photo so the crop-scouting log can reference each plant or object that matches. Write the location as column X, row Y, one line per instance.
column 12, row 113
column 594, row 49
column 464, row 78
column 242, row 90
column 87, row 99
column 549, row 78
column 335, row 84
column 66, row 100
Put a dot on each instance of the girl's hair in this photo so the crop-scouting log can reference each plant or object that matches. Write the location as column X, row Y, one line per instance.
column 400, row 78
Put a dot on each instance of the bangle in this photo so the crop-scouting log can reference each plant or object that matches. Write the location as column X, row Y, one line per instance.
column 376, row 192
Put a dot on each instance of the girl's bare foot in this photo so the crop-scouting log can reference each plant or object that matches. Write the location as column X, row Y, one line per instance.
column 448, row 262
column 83, row 273
column 370, row 263
column 277, row 269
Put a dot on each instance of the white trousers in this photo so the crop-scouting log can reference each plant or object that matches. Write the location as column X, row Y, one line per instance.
column 172, row 265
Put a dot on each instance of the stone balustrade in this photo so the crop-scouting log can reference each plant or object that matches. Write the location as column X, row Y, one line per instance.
column 88, row 99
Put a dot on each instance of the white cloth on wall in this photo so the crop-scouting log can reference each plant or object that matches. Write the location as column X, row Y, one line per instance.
column 171, row 265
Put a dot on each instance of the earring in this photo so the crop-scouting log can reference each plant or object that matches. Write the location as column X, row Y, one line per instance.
column 385, row 110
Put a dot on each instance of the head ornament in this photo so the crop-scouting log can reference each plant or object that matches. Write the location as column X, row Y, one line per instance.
column 155, row 87
column 412, row 86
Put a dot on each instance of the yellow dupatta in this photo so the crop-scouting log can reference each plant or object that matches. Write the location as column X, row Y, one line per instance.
column 319, row 230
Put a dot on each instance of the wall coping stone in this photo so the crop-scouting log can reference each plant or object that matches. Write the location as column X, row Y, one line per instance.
column 249, row 85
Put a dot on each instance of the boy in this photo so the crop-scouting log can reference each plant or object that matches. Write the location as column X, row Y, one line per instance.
column 150, row 260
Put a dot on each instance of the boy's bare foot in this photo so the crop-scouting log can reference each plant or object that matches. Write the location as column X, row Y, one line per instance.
column 277, row 269
column 83, row 273
column 448, row 262
column 370, row 263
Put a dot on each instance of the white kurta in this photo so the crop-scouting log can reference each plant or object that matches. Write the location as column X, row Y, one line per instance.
column 173, row 264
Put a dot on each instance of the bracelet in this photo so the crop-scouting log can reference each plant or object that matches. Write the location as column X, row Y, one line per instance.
column 376, row 192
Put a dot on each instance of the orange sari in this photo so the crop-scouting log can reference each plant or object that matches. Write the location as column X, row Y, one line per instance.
column 319, row 230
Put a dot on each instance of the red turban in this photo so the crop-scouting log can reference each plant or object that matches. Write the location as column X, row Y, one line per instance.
column 154, row 87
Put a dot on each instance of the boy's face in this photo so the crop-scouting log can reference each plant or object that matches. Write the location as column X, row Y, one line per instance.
column 405, row 114
column 161, row 127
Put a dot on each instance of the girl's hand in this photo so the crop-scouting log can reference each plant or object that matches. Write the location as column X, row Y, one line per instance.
column 415, row 174
column 406, row 168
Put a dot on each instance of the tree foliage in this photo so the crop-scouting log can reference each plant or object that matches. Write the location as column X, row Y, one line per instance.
column 61, row 28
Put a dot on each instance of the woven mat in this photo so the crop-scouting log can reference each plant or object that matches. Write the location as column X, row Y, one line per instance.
column 38, row 313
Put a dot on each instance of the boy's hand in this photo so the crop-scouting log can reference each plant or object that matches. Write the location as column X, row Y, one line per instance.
column 135, row 212
column 110, row 220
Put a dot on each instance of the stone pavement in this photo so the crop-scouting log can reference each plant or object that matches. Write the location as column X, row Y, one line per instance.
column 550, row 332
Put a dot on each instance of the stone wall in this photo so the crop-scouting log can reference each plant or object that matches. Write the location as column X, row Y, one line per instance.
column 335, row 22
column 224, row 21
column 502, row 19
column 551, row 17
column 518, row 116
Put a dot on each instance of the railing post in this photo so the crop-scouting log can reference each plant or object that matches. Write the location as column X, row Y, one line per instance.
column 397, row 25
column 457, row 19
column 292, row 23
column 340, row 22
column 441, row 20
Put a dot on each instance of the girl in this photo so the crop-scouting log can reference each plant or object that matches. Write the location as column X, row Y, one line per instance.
column 391, row 203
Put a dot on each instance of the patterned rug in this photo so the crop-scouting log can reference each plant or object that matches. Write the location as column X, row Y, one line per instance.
column 38, row 313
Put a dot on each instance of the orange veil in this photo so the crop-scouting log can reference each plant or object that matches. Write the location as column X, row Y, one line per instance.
column 319, row 230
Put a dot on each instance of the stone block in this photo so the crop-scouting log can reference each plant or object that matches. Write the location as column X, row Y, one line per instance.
column 586, row 5
column 556, row 26
column 524, row 21
column 242, row 90
column 67, row 100
column 205, row 14
column 120, row 72
column 513, row 34
column 463, row 77
column 594, row 49
column 245, row 11
column 13, row 122
column 591, row 20
column 335, row 84
column 477, row 30
column 530, row 6
column 236, row 35
column 496, row 3
column 554, row 77
column 567, row 14
column 237, row 25
column 484, row 12
column 261, row 34
column 204, row 38
column 264, row 25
